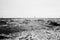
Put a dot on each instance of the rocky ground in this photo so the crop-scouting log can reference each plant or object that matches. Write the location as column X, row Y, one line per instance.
column 29, row 29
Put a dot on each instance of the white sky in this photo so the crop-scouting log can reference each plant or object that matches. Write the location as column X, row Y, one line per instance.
column 30, row 8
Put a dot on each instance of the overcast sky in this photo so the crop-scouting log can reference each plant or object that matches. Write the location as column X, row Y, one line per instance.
column 29, row 8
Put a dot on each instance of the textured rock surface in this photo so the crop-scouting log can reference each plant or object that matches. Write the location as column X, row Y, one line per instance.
column 29, row 29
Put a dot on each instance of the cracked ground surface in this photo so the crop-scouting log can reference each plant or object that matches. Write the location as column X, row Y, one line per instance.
column 29, row 29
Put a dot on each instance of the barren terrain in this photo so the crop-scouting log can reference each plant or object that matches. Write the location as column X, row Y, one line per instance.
column 29, row 29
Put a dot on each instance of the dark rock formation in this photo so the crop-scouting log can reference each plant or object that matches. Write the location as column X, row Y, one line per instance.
column 3, row 37
column 3, row 22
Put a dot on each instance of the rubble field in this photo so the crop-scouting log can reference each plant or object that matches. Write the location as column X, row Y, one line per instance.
column 29, row 29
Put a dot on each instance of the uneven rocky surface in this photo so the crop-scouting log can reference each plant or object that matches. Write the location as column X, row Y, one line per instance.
column 29, row 29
